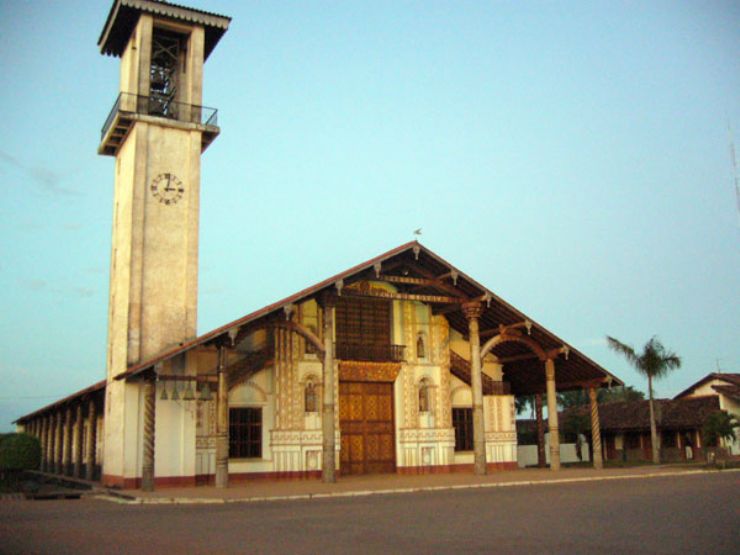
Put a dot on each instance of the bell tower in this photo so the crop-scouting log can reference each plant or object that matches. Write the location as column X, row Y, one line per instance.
column 157, row 131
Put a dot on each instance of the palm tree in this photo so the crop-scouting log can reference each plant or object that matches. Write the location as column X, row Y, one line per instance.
column 655, row 361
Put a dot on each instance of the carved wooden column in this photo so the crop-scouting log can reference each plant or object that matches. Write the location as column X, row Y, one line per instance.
column 42, row 441
column 77, row 442
column 48, row 454
column 58, row 427
column 541, row 458
column 552, row 415
column 328, row 454
column 222, row 422
column 92, row 430
column 147, row 470
column 595, row 429
column 67, row 442
column 472, row 312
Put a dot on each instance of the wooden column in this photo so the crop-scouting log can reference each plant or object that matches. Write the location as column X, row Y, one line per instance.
column 49, row 444
column 58, row 427
column 552, row 415
column 90, row 439
column 42, row 441
column 541, row 458
column 472, row 312
column 595, row 429
column 147, row 469
column 77, row 442
column 67, row 442
column 328, row 454
column 222, row 422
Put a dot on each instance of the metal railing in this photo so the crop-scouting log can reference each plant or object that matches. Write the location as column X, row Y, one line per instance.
column 376, row 353
column 160, row 107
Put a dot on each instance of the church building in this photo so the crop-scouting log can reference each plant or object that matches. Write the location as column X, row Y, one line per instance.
column 401, row 364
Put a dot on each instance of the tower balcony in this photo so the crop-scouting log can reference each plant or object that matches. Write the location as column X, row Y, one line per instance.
column 130, row 107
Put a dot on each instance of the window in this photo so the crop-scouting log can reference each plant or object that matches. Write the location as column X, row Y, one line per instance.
column 462, row 421
column 245, row 432
column 424, row 396
column 309, row 397
column 421, row 351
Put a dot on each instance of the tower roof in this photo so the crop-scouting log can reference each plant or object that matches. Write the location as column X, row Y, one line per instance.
column 124, row 14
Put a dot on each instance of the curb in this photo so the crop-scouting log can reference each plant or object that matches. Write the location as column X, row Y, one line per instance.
column 132, row 500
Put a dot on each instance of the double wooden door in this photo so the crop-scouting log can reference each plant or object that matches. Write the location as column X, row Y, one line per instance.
column 366, row 425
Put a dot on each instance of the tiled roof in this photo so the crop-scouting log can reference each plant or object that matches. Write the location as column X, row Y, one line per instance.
column 89, row 390
column 671, row 414
column 732, row 391
column 124, row 14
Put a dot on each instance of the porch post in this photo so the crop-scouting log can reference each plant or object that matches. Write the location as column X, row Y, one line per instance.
column 541, row 458
column 48, row 458
column 595, row 429
column 77, row 442
column 552, row 415
column 42, row 440
column 222, row 422
column 147, row 471
column 472, row 312
column 58, row 442
column 92, row 429
column 67, row 442
column 328, row 455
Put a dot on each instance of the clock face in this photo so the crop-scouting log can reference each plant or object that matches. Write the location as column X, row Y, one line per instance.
column 167, row 188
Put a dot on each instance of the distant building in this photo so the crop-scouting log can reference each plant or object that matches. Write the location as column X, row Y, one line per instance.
column 726, row 388
column 625, row 428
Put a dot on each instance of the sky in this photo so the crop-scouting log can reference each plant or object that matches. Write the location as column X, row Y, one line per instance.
column 573, row 157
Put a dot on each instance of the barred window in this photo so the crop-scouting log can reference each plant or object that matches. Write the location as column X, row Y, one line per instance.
column 245, row 432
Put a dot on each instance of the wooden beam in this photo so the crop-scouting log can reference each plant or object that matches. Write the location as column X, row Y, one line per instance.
column 502, row 329
column 439, row 284
column 516, row 358
column 407, row 280
column 446, row 309
column 403, row 296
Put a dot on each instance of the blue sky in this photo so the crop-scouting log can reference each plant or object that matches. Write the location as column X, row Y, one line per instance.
column 573, row 157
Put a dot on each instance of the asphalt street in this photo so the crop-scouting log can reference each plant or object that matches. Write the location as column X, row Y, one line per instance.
column 686, row 514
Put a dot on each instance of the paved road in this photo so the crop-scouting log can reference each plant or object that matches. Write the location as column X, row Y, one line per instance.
column 688, row 514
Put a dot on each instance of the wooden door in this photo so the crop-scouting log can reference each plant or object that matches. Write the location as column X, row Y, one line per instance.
column 366, row 425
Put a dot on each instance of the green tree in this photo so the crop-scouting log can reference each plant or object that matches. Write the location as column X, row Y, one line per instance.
column 719, row 425
column 620, row 394
column 654, row 362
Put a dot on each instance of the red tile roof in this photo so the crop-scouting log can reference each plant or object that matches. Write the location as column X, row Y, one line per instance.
column 671, row 414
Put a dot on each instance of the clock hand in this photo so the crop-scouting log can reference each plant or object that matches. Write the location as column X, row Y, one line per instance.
column 169, row 180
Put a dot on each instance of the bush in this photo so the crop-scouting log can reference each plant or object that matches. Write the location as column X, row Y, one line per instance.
column 719, row 425
column 19, row 452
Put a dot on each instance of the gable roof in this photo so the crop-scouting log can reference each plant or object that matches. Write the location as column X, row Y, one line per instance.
column 437, row 278
column 525, row 373
column 731, row 379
